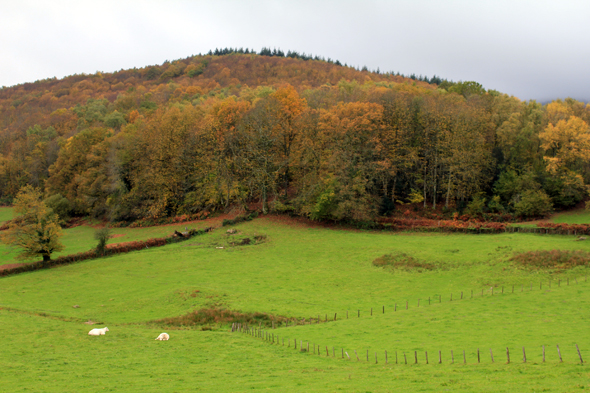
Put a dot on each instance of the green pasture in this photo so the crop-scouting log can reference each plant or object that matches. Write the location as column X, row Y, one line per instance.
column 50, row 355
column 300, row 272
column 81, row 238
column 5, row 214
column 580, row 216
column 297, row 272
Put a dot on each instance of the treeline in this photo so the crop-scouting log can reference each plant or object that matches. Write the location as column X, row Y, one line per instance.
column 308, row 137
column 303, row 56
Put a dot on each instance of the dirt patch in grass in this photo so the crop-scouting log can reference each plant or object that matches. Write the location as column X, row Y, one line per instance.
column 403, row 261
column 556, row 260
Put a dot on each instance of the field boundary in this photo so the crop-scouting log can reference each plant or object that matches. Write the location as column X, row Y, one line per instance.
column 271, row 338
column 114, row 250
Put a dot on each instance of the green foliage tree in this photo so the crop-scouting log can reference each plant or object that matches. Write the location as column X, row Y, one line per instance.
column 102, row 235
column 36, row 229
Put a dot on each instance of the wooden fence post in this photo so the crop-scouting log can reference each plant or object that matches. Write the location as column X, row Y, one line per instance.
column 439, row 357
column 523, row 355
column 507, row 355
column 385, row 357
column 426, row 354
column 357, row 356
column 559, row 353
column 415, row 357
column 335, row 316
column 478, row 355
column 579, row 354
column 492, row 355
column 405, row 359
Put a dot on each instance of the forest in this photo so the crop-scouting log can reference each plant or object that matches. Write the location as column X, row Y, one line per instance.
column 289, row 133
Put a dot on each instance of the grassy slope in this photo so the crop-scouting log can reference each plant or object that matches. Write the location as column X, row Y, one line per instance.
column 81, row 238
column 56, row 356
column 297, row 272
column 580, row 216
column 5, row 214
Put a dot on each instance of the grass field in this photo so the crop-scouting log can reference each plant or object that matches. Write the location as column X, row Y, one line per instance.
column 5, row 214
column 580, row 216
column 81, row 238
column 300, row 272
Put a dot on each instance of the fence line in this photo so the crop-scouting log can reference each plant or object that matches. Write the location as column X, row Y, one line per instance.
column 316, row 349
column 508, row 289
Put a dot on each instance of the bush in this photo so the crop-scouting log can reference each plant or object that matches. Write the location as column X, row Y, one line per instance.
column 102, row 235
column 476, row 206
column 533, row 203
column 60, row 206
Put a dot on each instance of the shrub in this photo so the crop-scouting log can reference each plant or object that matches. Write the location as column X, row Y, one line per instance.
column 60, row 206
column 102, row 235
column 533, row 203
column 213, row 316
column 551, row 260
column 476, row 206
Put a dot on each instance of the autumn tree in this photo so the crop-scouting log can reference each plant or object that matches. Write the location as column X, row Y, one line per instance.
column 36, row 229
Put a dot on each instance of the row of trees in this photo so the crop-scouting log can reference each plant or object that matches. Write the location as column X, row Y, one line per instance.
column 346, row 151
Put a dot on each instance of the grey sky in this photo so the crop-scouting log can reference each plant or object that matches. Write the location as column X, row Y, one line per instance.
column 532, row 49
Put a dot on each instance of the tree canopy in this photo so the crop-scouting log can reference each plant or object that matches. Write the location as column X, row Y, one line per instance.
column 290, row 132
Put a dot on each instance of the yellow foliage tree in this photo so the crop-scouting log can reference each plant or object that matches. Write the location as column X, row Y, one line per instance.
column 36, row 230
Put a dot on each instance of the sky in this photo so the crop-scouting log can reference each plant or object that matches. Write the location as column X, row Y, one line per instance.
column 531, row 49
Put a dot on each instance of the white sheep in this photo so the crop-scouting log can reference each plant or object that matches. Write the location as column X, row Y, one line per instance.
column 163, row 337
column 98, row 332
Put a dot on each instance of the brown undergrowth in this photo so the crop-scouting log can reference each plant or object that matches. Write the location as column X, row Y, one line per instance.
column 206, row 317
column 403, row 261
column 557, row 260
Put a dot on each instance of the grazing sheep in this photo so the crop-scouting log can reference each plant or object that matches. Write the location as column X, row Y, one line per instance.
column 163, row 337
column 98, row 332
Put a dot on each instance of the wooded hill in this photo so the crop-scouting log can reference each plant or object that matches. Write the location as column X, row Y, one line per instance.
column 312, row 137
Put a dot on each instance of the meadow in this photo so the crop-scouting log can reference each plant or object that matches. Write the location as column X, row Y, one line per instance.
column 301, row 271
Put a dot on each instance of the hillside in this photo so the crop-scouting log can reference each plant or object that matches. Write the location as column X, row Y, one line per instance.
column 310, row 137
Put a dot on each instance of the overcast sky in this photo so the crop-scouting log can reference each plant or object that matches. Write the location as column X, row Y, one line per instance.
column 532, row 49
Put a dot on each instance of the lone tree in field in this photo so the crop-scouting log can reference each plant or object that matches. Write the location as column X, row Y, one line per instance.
column 36, row 229
column 102, row 235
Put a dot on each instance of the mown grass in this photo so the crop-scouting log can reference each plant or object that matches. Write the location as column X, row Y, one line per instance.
column 300, row 272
